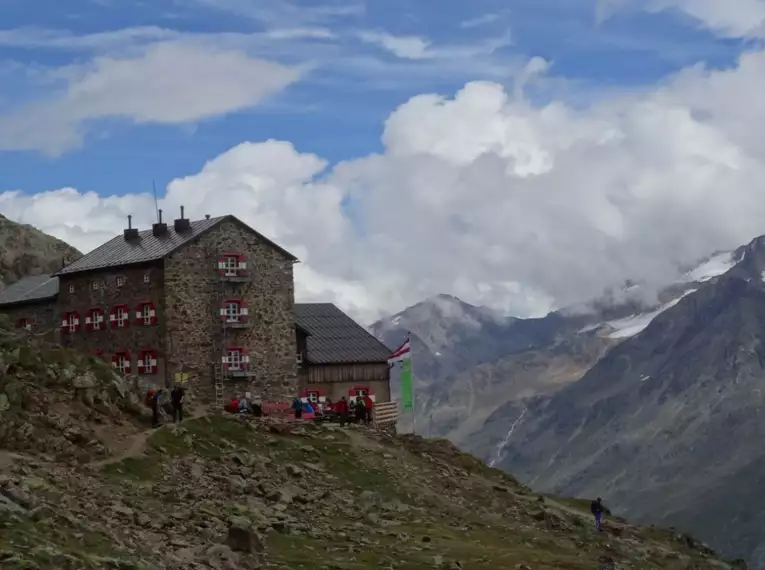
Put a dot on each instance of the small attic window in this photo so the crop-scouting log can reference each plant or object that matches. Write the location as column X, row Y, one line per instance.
column 120, row 281
column 71, row 288
column 94, row 285
column 146, row 278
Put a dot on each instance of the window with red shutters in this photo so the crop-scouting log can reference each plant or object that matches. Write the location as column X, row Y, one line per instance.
column 146, row 314
column 234, row 311
column 121, row 362
column 25, row 324
column 235, row 359
column 232, row 265
column 147, row 362
column 70, row 322
column 94, row 321
column 120, row 317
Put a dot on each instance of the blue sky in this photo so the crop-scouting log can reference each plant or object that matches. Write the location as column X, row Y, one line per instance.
column 338, row 108
column 600, row 140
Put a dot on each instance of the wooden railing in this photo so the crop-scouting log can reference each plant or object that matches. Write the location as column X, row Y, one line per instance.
column 386, row 413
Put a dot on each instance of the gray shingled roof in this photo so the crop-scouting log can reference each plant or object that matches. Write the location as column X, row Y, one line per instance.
column 28, row 289
column 118, row 252
column 335, row 338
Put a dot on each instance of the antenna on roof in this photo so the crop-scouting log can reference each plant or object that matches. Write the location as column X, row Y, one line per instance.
column 156, row 205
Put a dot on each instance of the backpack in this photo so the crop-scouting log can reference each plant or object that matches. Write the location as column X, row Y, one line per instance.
column 149, row 399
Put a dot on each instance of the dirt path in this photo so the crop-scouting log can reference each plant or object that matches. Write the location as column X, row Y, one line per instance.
column 138, row 442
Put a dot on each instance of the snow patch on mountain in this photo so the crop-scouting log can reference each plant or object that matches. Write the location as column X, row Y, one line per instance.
column 632, row 325
column 713, row 267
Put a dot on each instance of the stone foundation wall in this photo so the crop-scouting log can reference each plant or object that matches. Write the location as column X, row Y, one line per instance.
column 194, row 294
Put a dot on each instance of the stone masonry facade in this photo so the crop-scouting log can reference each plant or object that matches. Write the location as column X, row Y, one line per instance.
column 114, row 298
column 195, row 292
column 38, row 317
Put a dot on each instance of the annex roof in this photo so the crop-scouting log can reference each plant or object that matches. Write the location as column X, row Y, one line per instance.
column 148, row 247
column 29, row 289
column 335, row 338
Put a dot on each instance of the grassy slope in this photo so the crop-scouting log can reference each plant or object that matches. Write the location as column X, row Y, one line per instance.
column 353, row 502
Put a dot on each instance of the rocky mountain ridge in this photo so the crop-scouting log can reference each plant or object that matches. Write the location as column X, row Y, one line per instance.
column 668, row 423
column 25, row 251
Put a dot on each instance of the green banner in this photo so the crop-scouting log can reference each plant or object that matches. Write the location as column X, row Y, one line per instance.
column 407, row 392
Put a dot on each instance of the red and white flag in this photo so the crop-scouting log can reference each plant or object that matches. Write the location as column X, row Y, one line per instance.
column 403, row 352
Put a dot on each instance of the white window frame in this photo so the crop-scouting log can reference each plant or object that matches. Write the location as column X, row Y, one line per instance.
column 120, row 281
column 150, row 362
column 313, row 397
column 94, row 286
column 146, row 315
column 233, row 311
column 71, row 288
column 96, row 319
column 235, row 360
column 231, row 265
column 122, row 365
column 146, row 278
column 72, row 322
column 361, row 393
column 121, row 316
column 26, row 324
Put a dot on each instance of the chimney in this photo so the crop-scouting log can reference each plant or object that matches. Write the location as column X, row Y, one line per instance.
column 160, row 228
column 207, row 216
column 131, row 233
column 182, row 224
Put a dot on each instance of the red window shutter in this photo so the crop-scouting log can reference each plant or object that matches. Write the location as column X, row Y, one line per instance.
column 90, row 319
column 77, row 322
column 245, row 359
column 222, row 265
column 244, row 312
column 242, row 265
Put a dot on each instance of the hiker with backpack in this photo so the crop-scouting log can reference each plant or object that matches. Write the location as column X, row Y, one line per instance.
column 156, row 402
column 597, row 509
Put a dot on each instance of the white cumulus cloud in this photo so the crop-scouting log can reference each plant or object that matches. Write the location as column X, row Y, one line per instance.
column 486, row 195
column 169, row 82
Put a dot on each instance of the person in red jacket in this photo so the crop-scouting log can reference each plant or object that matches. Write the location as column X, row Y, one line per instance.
column 341, row 409
column 368, row 406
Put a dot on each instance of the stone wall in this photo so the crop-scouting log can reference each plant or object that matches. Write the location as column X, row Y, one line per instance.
column 42, row 314
column 76, row 293
column 194, row 294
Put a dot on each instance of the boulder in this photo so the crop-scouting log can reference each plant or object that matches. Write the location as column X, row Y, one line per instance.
column 241, row 537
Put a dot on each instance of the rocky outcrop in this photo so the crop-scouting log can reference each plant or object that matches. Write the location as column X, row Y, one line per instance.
column 25, row 250
column 55, row 401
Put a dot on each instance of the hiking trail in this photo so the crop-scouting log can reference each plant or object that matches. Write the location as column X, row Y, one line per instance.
column 136, row 443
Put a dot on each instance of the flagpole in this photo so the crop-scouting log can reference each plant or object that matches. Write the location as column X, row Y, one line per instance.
column 414, row 382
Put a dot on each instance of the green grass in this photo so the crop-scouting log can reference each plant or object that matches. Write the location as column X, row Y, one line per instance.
column 53, row 544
